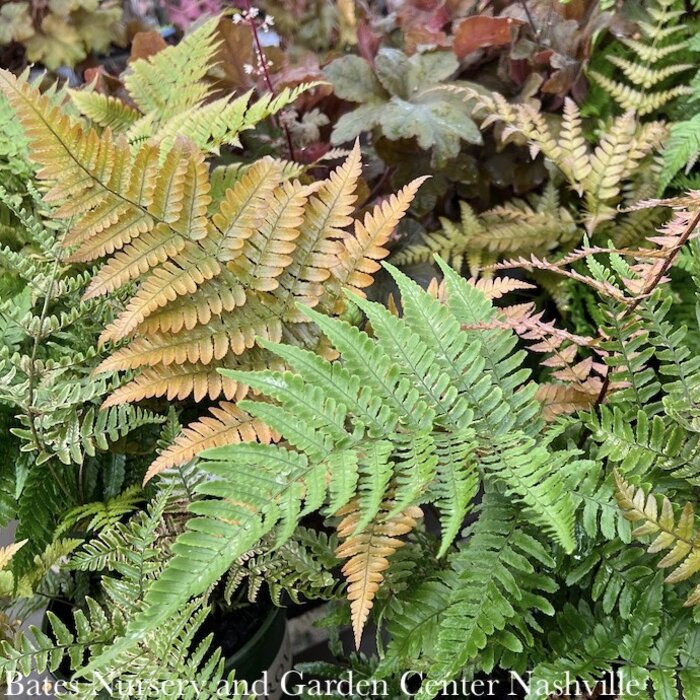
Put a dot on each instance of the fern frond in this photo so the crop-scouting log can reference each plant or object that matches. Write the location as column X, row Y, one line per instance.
column 328, row 213
column 368, row 553
column 104, row 110
column 221, row 122
column 518, row 226
column 575, row 159
column 562, row 399
column 227, row 425
column 170, row 81
column 645, row 76
column 144, row 253
column 360, row 253
column 616, row 576
column 637, row 100
column 191, row 379
column 9, row 551
column 298, row 568
column 451, row 243
column 494, row 579
column 608, row 163
column 678, row 535
column 651, row 53
column 521, row 465
column 651, row 60
column 101, row 514
column 681, row 150
column 266, row 254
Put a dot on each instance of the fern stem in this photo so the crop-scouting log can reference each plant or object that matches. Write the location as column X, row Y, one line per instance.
column 650, row 287
column 31, row 413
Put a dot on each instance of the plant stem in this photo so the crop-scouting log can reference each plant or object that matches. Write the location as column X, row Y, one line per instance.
column 530, row 20
column 650, row 287
column 31, row 413
column 266, row 74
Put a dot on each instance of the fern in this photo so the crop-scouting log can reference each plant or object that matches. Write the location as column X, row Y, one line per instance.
column 515, row 228
column 131, row 553
column 679, row 535
column 614, row 577
column 602, row 176
column 173, row 96
column 346, row 427
column 654, row 57
column 682, row 150
column 208, row 285
column 487, row 592
column 368, row 554
column 298, row 569
column 66, row 451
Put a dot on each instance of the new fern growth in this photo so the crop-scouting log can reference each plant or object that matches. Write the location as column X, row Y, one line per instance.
column 171, row 93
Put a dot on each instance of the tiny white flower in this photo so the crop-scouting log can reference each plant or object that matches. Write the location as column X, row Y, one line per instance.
column 237, row 19
column 248, row 69
column 253, row 12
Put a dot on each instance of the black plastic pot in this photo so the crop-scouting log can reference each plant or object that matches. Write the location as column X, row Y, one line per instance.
column 261, row 661
column 267, row 655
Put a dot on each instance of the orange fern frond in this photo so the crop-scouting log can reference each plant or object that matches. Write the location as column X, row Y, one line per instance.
column 367, row 553
column 360, row 253
column 212, row 275
column 226, row 425
column 496, row 287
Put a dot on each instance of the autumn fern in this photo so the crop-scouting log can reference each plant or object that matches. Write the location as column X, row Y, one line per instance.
column 603, row 175
column 171, row 94
column 403, row 418
column 208, row 285
column 654, row 58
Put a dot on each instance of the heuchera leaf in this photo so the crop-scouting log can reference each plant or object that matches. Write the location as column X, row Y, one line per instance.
column 479, row 32
column 436, row 120
column 404, row 98
column 354, row 80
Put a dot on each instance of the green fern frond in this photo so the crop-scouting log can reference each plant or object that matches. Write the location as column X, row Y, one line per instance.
column 530, row 474
column 682, row 149
column 352, row 441
column 105, row 111
column 100, row 515
column 494, row 577
column 645, row 444
column 615, row 576
column 516, row 228
column 170, row 81
column 655, row 56
column 300, row 568
column 639, row 101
